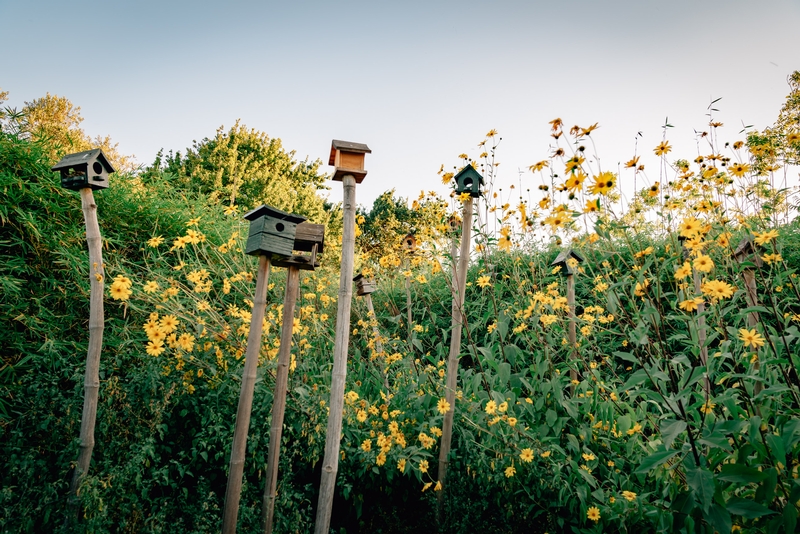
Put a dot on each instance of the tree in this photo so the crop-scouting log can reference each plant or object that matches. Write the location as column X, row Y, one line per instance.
column 781, row 141
column 246, row 167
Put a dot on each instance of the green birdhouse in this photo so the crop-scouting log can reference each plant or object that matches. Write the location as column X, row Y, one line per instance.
column 309, row 237
column 348, row 158
column 469, row 181
column 84, row 169
column 364, row 286
column 568, row 261
column 272, row 231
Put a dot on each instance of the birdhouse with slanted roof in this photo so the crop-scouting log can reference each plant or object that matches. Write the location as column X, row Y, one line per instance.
column 746, row 252
column 272, row 231
column 364, row 286
column 309, row 237
column 90, row 168
column 468, row 180
column 348, row 158
column 568, row 261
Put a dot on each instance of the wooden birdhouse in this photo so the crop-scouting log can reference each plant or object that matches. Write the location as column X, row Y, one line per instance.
column 746, row 252
column 84, row 169
column 364, row 286
column 563, row 261
column 309, row 237
column 454, row 223
column 272, row 231
column 409, row 244
column 348, row 158
column 469, row 181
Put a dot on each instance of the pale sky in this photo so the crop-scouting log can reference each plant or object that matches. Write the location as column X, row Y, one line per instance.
column 419, row 82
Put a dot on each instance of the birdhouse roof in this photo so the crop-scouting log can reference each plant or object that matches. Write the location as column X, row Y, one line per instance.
column 567, row 254
column 347, row 146
column 86, row 156
column 745, row 247
column 275, row 213
column 469, row 170
column 358, row 277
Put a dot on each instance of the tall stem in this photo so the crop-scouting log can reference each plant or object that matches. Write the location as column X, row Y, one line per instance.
column 279, row 398
column 330, row 464
column 460, row 283
column 234, row 489
column 91, row 381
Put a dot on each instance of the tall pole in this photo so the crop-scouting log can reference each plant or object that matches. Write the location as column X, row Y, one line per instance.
column 571, row 333
column 279, row 398
column 91, row 381
column 460, row 283
column 330, row 463
column 234, row 489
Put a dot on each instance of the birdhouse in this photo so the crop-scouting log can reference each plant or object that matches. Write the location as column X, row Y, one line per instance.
column 309, row 237
column 348, row 158
column 409, row 244
column 746, row 252
column 364, row 286
column 454, row 223
column 272, row 231
column 563, row 261
column 469, row 181
column 84, row 169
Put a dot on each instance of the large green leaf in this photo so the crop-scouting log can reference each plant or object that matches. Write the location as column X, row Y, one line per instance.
column 747, row 508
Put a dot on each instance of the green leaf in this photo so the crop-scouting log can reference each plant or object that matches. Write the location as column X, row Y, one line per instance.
column 670, row 429
column 790, row 518
column 623, row 424
column 503, row 374
column 720, row 518
column 551, row 417
column 637, row 378
column 747, row 508
column 701, row 482
column 654, row 460
column 740, row 474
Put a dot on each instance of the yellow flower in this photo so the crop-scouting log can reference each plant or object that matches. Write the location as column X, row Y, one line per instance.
column 438, row 486
column 526, row 455
column 484, row 281
column 491, row 407
column 690, row 305
column 510, row 471
column 588, row 456
column 632, row 163
column 683, row 271
column 154, row 348
column 717, row 289
column 361, row 415
column 538, row 166
column 401, row 465
column 545, row 454
column 168, row 324
column 660, row 150
column 423, row 466
column 603, row 183
column 512, row 421
column 707, row 407
column 751, row 338
column 443, row 406
column 151, row 287
column 463, row 197
column 690, row 227
column 629, row 495
column 703, row 263
column 593, row 513
column 766, row 237
column 739, row 169
column 366, row 445
column 120, row 291
column 155, row 241
column 421, row 279
column 772, row 258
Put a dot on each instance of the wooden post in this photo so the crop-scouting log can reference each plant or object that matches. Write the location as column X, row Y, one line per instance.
column 91, row 381
column 571, row 333
column 330, row 463
column 460, row 284
column 279, row 398
column 234, row 489
column 746, row 252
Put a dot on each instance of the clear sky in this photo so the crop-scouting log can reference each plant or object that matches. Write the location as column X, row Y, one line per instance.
column 418, row 81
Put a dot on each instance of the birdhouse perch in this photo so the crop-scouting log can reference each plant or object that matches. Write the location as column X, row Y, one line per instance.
column 348, row 158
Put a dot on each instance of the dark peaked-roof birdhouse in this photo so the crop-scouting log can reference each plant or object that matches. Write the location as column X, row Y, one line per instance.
column 348, row 158
column 309, row 237
column 563, row 261
column 468, row 180
column 272, row 231
column 746, row 252
column 84, row 169
column 364, row 286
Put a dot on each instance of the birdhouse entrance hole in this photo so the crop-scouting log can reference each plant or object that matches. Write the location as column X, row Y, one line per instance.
column 98, row 167
column 468, row 183
column 280, row 227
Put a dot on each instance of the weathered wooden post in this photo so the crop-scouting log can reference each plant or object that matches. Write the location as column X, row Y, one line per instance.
column 364, row 288
column 409, row 247
column 468, row 181
column 568, row 261
column 272, row 232
column 746, row 253
column 85, row 172
column 348, row 159
column 310, row 238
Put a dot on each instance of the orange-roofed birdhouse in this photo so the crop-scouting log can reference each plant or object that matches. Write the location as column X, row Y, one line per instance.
column 348, row 158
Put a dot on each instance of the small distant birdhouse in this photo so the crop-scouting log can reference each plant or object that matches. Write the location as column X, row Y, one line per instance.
column 272, row 231
column 309, row 237
column 348, row 158
column 563, row 261
column 364, row 286
column 84, row 169
column 409, row 244
column 469, row 181
column 454, row 223
column 746, row 252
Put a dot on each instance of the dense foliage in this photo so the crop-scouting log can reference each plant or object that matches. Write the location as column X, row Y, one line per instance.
column 676, row 409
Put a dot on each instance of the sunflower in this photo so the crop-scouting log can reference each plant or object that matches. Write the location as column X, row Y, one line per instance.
column 632, row 163
column 526, row 455
column 751, row 338
column 690, row 227
column 662, row 149
column 739, row 169
column 703, row 263
column 717, row 289
column 593, row 513
column 603, row 183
